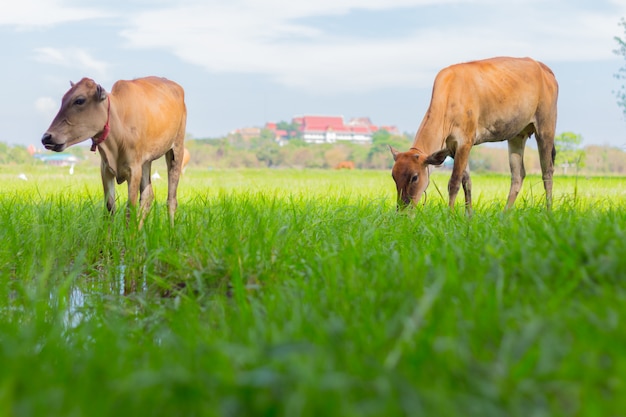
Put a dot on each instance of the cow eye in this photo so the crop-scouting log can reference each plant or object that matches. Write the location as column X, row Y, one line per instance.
column 414, row 178
column 79, row 101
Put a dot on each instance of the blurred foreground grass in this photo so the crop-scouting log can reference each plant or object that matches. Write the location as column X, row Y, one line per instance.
column 305, row 293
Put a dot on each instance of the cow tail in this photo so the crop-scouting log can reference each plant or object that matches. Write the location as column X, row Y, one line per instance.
column 553, row 154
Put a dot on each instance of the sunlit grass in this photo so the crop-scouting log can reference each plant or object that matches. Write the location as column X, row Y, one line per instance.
column 283, row 292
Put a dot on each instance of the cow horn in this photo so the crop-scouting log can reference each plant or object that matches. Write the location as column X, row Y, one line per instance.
column 394, row 152
column 100, row 92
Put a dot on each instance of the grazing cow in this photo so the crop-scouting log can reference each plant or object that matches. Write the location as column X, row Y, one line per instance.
column 138, row 122
column 345, row 165
column 493, row 100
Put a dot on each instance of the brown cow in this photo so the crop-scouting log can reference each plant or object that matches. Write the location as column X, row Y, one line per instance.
column 493, row 100
column 345, row 165
column 138, row 122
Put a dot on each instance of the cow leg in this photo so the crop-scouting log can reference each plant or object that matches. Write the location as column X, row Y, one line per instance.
column 133, row 189
column 108, row 183
column 466, row 181
column 516, row 163
column 174, row 160
column 547, row 153
column 146, row 194
column 461, row 158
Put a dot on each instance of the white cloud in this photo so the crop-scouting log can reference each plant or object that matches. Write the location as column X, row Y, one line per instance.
column 47, row 107
column 270, row 38
column 28, row 14
column 75, row 58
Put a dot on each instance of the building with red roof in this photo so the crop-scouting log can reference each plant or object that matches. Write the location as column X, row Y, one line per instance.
column 330, row 129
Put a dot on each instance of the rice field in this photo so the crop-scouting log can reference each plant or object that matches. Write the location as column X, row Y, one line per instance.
column 304, row 293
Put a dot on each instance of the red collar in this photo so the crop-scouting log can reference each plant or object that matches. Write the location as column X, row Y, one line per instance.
column 105, row 130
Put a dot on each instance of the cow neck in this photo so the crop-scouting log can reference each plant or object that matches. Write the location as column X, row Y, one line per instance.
column 105, row 130
column 425, row 141
column 425, row 146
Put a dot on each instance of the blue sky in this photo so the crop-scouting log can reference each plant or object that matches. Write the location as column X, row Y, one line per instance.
column 245, row 62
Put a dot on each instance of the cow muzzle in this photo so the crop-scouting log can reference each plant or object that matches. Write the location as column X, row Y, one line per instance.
column 403, row 201
column 49, row 144
column 402, row 204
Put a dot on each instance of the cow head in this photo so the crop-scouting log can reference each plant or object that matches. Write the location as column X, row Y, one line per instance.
column 82, row 115
column 410, row 172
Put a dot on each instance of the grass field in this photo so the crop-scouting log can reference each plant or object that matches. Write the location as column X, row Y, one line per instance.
column 304, row 293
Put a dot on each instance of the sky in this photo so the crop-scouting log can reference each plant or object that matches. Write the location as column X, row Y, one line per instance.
column 245, row 62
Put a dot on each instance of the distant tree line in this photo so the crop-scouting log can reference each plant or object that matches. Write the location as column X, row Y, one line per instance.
column 235, row 151
column 14, row 155
column 571, row 158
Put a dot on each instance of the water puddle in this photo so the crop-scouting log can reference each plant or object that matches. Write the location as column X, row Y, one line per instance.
column 79, row 296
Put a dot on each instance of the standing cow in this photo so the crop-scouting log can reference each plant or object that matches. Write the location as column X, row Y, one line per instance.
column 493, row 100
column 138, row 122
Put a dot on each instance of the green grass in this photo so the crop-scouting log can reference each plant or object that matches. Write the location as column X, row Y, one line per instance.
column 304, row 293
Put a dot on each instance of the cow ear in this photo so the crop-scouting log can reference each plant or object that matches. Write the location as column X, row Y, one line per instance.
column 438, row 157
column 394, row 152
column 101, row 94
column 71, row 83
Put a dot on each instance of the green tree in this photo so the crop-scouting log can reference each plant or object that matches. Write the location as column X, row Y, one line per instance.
column 296, row 143
column 4, row 153
column 379, row 156
column 621, row 74
column 266, row 149
column 568, row 151
column 19, row 155
column 292, row 129
column 14, row 154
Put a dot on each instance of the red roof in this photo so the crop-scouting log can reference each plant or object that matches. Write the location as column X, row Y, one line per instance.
column 391, row 129
column 322, row 123
column 360, row 129
column 358, row 125
column 360, row 121
column 330, row 123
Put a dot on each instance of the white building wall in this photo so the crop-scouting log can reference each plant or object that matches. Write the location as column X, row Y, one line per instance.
column 333, row 137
